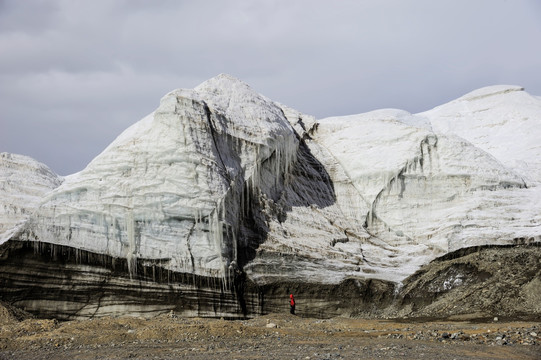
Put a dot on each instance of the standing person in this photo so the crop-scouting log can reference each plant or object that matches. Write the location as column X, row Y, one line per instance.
column 291, row 304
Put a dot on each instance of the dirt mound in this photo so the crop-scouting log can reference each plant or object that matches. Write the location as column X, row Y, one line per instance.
column 10, row 314
column 484, row 282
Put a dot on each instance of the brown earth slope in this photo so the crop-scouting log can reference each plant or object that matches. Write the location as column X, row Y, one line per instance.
column 479, row 283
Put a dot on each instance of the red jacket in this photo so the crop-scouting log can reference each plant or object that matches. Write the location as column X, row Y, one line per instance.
column 291, row 300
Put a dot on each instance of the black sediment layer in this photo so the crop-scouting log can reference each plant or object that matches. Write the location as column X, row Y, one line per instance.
column 63, row 282
column 53, row 281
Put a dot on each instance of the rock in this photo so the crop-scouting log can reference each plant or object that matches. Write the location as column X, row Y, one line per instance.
column 483, row 280
column 271, row 324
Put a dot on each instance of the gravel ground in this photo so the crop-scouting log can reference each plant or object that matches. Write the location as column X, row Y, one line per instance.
column 267, row 337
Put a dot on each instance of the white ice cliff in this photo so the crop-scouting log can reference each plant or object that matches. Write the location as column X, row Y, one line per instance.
column 23, row 183
column 220, row 174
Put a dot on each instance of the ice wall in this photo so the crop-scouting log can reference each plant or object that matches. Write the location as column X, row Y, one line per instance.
column 463, row 174
column 173, row 186
column 23, row 183
column 503, row 120
column 220, row 173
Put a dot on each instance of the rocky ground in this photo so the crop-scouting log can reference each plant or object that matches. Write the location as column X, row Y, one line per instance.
column 281, row 336
column 503, row 281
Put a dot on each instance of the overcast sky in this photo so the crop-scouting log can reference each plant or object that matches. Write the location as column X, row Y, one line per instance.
column 75, row 74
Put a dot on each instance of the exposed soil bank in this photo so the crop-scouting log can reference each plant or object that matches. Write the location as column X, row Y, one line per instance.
column 479, row 282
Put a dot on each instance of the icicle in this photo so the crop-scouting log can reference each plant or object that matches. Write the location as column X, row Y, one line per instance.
column 216, row 235
column 130, row 256
column 255, row 170
column 247, row 198
column 277, row 168
column 223, row 210
column 241, row 200
column 289, row 159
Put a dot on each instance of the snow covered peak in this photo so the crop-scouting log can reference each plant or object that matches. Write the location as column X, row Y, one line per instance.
column 23, row 183
column 237, row 100
column 223, row 82
column 224, row 90
column 488, row 91
column 503, row 120
column 11, row 164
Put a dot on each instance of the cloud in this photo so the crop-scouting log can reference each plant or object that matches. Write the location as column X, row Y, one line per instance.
column 74, row 74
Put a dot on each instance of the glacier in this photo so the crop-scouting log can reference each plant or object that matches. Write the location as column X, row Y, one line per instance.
column 224, row 185
column 23, row 183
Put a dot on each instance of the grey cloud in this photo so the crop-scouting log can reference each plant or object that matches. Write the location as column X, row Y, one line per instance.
column 27, row 16
column 74, row 74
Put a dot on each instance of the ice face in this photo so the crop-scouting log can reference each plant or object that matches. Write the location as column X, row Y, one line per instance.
column 172, row 186
column 220, row 173
column 23, row 183
column 502, row 120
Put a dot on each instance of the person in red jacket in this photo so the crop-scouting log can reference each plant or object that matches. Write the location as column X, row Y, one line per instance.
column 292, row 304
